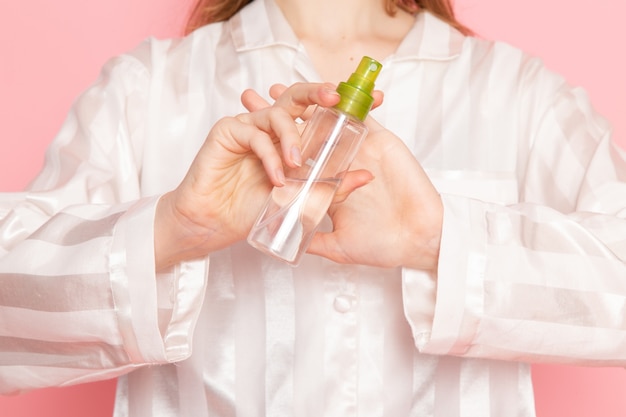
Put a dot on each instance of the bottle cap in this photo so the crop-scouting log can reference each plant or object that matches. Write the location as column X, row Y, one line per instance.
column 356, row 93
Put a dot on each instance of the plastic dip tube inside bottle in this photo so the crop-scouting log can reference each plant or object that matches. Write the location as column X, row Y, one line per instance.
column 330, row 141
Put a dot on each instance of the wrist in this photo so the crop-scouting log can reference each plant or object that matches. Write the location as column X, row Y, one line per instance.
column 176, row 237
column 426, row 240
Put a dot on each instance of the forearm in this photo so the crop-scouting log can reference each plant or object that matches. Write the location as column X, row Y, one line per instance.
column 526, row 283
column 80, row 297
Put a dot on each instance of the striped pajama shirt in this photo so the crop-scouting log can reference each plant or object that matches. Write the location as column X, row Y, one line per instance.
column 532, row 264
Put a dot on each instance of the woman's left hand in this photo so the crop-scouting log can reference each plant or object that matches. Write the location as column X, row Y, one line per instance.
column 395, row 220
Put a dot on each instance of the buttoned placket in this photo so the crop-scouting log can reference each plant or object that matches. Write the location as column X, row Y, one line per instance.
column 342, row 332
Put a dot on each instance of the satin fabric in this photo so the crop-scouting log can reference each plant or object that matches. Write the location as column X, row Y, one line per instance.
column 532, row 264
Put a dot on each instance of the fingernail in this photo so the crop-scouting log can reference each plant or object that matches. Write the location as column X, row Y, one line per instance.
column 331, row 91
column 296, row 156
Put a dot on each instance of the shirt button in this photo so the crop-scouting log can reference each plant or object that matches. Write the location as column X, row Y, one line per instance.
column 345, row 303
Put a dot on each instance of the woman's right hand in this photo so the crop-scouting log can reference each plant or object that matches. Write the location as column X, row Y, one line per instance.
column 229, row 180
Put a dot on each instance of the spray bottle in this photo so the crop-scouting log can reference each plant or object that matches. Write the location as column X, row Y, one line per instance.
column 330, row 142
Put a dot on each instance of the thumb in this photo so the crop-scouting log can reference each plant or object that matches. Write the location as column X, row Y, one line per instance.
column 353, row 180
column 327, row 246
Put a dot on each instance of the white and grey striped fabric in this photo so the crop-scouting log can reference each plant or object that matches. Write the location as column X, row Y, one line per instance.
column 532, row 266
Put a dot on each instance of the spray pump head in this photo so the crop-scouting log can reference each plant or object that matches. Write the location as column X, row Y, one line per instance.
column 356, row 93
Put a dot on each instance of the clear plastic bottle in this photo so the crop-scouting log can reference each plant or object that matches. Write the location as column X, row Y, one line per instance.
column 330, row 141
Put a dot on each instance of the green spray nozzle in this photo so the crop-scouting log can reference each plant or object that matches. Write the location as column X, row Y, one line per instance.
column 356, row 93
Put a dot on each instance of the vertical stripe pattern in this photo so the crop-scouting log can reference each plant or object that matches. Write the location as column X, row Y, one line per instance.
column 532, row 261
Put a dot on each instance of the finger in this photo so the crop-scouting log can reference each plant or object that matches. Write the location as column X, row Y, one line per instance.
column 325, row 244
column 322, row 94
column 379, row 96
column 276, row 122
column 294, row 100
column 252, row 101
column 276, row 90
column 262, row 145
column 352, row 181
column 241, row 137
column 300, row 96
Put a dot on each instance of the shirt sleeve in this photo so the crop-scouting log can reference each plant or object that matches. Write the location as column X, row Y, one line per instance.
column 80, row 298
column 543, row 280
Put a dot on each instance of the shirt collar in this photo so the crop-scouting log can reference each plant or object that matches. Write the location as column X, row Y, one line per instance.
column 262, row 24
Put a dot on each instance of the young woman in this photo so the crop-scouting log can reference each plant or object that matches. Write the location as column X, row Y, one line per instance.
column 481, row 228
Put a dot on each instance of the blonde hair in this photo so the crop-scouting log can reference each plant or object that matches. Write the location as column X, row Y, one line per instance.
column 209, row 11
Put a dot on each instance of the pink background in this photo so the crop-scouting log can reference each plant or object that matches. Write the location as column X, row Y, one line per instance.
column 52, row 50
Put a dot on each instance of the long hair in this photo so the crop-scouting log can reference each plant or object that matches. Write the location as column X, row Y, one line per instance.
column 209, row 11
